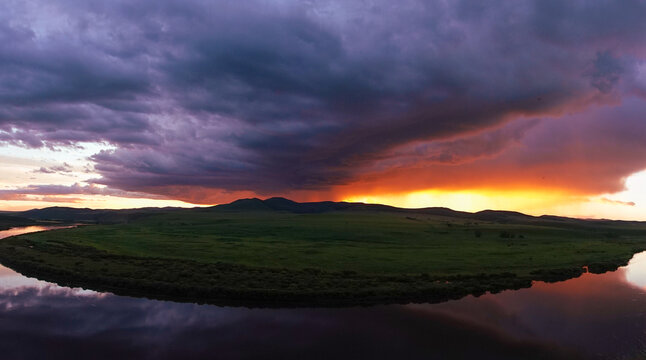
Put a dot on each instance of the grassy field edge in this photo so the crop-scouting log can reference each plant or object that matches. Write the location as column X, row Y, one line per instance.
column 239, row 285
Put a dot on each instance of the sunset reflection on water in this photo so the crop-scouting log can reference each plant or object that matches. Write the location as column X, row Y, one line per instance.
column 13, row 282
column 30, row 229
column 636, row 270
column 594, row 316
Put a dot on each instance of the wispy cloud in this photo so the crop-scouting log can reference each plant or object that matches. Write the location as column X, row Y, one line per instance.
column 58, row 193
column 61, row 169
column 618, row 202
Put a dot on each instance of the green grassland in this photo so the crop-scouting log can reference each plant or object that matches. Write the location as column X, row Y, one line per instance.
column 268, row 257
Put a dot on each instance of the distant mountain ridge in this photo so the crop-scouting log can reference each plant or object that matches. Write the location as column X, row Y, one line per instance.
column 499, row 216
column 103, row 216
column 111, row 216
column 283, row 204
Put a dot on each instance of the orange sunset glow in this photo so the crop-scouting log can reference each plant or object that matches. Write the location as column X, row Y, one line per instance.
column 453, row 125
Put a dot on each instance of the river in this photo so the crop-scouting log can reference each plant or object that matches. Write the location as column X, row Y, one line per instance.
column 590, row 317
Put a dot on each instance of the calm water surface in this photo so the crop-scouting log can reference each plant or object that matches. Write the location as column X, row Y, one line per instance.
column 591, row 317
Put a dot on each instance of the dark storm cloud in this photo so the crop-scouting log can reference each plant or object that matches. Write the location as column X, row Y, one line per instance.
column 59, row 85
column 606, row 73
column 273, row 97
column 573, row 22
column 460, row 151
column 591, row 152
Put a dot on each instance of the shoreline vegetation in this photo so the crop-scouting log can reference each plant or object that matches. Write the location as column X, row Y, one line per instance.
column 279, row 253
column 7, row 222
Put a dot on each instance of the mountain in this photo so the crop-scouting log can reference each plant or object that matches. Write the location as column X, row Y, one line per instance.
column 65, row 214
column 501, row 216
column 279, row 204
column 282, row 204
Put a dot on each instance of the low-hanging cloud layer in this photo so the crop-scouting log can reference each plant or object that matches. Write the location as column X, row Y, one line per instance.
column 205, row 101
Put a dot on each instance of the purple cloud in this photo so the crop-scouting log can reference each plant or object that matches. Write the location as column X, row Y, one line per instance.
column 52, row 192
column 60, row 169
column 275, row 97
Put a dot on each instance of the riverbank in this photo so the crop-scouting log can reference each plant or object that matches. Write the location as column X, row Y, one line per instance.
column 7, row 222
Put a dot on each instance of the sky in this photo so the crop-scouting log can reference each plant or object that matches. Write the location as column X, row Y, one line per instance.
column 536, row 106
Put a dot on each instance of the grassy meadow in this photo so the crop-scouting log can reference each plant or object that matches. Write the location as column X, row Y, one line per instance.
column 349, row 256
